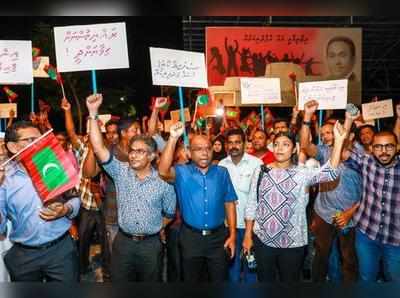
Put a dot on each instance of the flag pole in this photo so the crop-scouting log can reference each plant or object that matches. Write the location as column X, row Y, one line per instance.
column 182, row 116
column 32, row 97
column 94, row 82
column 23, row 149
column 321, row 115
column 262, row 116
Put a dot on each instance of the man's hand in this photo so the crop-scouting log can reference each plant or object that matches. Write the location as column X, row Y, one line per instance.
column 309, row 109
column 177, row 130
column 339, row 132
column 342, row 219
column 247, row 245
column 230, row 244
column 163, row 236
column 65, row 105
column 160, row 102
column 2, row 175
column 54, row 211
column 93, row 102
column 11, row 114
column 352, row 112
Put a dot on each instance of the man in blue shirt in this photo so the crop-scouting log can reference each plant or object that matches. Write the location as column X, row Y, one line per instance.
column 43, row 249
column 206, row 197
column 146, row 204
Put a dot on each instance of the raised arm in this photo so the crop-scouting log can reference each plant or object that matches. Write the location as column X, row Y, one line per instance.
column 340, row 136
column 165, row 168
column 69, row 123
column 160, row 101
column 11, row 116
column 305, row 135
column 93, row 103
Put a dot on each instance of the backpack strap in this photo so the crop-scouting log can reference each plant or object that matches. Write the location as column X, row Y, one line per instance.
column 264, row 169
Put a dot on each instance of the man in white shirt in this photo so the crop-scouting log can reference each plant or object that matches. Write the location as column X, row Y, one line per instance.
column 241, row 167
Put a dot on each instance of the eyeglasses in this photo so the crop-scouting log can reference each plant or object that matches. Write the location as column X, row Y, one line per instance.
column 199, row 149
column 140, row 152
column 388, row 147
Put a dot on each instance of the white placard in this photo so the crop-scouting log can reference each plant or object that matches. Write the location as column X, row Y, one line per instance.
column 5, row 109
column 331, row 95
column 377, row 110
column 38, row 67
column 260, row 90
column 91, row 47
column 16, row 62
column 178, row 68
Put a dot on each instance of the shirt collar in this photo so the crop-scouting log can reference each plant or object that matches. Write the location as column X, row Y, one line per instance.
column 245, row 158
column 195, row 169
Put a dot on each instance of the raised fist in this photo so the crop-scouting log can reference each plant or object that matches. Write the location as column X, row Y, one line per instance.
column 93, row 102
column 177, row 130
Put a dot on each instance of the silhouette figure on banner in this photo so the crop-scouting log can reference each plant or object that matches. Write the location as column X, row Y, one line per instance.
column 231, row 51
column 217, row 56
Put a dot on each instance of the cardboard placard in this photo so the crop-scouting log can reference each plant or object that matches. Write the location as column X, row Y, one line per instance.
column 91, row 47
column 175, row 115
column 16, row 62
column 5, row 109
column 167, row 125
column 377, row 110
column 331, row 95
column 260, row 90
column 178, row 68
column 227, row 98
column 38, row 67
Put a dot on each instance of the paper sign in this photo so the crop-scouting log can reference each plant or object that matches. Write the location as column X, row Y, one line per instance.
column 38, row 67
column 377, row 110
column 260, row 90
column 175, row 115
column 87, row 47
column 178, row 68
column 102, row 120
column 167, row 125
column 331, row 95
column 16, row 62
column 5, row 109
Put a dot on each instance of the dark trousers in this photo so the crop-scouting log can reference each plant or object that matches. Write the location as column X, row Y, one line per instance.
column 56, row 263
column 174, row 264
column 270, row 260
column 203, row 254
column 89, row 221
column 324, row 235
column 136, row 260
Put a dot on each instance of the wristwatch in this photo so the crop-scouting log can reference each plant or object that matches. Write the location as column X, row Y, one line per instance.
column 308, row 123
column 94, row 117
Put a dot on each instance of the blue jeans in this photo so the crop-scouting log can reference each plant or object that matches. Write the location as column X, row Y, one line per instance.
column 235, row 268
column 369, row 253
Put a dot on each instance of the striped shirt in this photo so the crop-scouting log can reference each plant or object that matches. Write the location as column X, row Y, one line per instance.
column 379, row 213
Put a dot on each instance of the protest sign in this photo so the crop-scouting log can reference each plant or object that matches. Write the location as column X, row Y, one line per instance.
column 5, row 109
column 39, row 64
column 16, row 62
column 260, row 90
column 101, row 120
column 377, row 110
column 175, row 115
column 91, row 47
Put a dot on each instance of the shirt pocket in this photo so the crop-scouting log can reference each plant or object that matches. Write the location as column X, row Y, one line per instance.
column 244, row 181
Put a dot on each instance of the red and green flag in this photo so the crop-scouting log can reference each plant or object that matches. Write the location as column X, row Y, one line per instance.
column 50, row 168
column 53, row 73
column 35, row 52
column 11, row 95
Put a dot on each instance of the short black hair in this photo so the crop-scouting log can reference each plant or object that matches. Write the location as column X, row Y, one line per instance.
column 111, row 122
column 289, row 135
column 148, row 140
column 11, row 134
column 281, row 120
column 236, row 132
column 344, row 39
column 124, row 124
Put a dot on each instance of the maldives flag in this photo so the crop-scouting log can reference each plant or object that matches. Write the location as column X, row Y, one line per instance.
column 51, row 170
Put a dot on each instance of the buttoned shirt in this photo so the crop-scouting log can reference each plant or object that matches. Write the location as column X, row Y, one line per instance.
column 141, row 204
column 379, row 213
column 202, row 196
column 21, row 204
column 241, row 174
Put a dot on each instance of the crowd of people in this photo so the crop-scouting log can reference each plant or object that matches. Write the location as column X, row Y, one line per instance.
column 243, row 201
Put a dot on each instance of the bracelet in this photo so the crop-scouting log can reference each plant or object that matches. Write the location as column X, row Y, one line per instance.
column 308, row 123
column 94, row 117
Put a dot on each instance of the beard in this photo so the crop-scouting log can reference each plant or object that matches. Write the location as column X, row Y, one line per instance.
column 385, row 163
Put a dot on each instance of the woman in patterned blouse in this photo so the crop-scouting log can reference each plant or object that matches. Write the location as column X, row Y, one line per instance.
column 276, row 209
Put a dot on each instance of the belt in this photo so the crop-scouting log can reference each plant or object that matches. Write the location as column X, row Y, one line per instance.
column 203, row 232
column 45, row 245
column 138, row 237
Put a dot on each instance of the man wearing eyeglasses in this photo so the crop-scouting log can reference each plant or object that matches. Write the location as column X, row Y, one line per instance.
column 43, row 249
column 206, row 197
column 146, row 204
column 378, row 216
